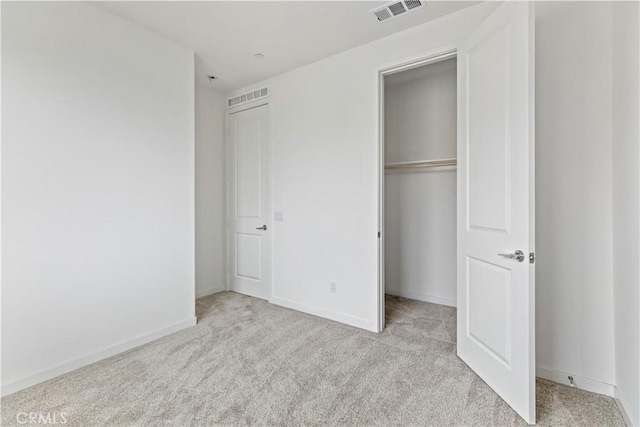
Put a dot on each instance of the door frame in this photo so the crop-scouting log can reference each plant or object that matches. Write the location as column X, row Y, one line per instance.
column 440, row 54
column 227, row 190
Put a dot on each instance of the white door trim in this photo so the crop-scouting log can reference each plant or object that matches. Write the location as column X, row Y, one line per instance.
column 438, row 55
column 227, row 190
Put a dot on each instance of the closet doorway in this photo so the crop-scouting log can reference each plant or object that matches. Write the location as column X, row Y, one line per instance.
column 418, row 213
column 420, row 183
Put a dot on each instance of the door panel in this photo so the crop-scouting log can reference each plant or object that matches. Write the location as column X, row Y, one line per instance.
column 489, row 311
column 496, row 336
column 250, row 245
column 249, row 256
column 248, row 167
column 488, row 127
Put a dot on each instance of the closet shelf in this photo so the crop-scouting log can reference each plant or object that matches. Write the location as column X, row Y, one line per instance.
column 421, row 164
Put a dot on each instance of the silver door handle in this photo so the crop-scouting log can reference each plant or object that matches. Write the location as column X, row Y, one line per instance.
column 264, row 227
column 517, row 255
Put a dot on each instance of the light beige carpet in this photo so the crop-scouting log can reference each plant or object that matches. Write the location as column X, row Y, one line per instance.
column 249, row 362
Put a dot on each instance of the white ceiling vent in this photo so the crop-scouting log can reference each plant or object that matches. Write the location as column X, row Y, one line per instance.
column 248, row 97
column 397, row 8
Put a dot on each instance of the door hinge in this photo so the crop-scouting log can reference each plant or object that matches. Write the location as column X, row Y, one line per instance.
column 378, row 234
column 532, row 257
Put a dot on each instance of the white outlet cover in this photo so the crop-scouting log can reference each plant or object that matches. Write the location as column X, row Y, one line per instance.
column 278, row 216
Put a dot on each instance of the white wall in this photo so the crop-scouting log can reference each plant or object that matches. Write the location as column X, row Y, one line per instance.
column 324, row 153
column 97, row 187
column 420, row 113
column 210, row 163
column 574, row 276
column 626, row 206
column 420, row 204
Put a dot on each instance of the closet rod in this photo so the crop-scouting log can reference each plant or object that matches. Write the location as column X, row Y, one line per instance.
column 421, row 164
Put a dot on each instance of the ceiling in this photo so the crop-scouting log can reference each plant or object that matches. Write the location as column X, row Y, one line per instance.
column 226, row 35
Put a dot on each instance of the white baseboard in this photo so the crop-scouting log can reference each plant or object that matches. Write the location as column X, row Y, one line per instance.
column 72, row 365
column 628, row 417
column 327, row 314
column 591, row 385
column 209, row 291
column 583, row 383
column 423, row 297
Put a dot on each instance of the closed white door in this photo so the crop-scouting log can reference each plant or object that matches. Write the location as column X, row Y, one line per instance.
column 249, row 225
column 496, row 335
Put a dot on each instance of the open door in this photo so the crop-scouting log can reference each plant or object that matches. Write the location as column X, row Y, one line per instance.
column 496, row 335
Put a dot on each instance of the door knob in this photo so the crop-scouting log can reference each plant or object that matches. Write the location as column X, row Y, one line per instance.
column 517, row 255
column 264, row 227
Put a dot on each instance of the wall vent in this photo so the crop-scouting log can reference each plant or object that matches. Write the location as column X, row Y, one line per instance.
column 397, row 8
column 248, row 97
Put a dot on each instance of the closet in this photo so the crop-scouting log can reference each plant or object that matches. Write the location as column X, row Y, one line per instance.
column 420, row 183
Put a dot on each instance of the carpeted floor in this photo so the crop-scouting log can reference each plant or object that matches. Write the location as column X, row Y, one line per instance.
column 249, row 362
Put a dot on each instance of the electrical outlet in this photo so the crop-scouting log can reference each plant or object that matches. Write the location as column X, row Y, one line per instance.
column 333, row 287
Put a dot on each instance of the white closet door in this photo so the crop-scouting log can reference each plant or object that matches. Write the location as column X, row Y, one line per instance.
column 495, row 205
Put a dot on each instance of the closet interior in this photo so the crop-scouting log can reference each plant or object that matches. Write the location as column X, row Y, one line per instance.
column 420, row 183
